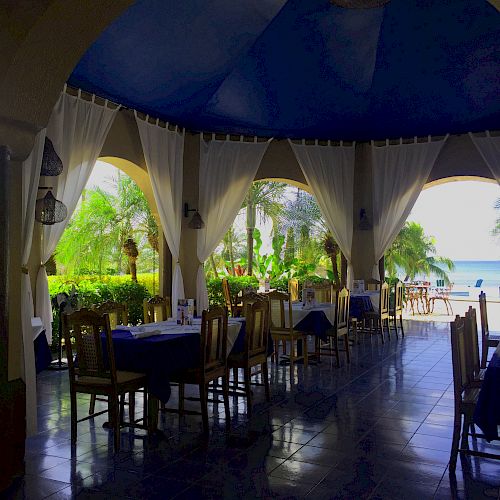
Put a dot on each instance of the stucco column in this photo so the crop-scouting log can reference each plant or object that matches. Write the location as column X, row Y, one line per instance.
column 4, row 259
column 188, row 255
column 363, row 253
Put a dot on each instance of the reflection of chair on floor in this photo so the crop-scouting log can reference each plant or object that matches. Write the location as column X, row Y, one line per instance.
column 441, row 293
column 488, row 340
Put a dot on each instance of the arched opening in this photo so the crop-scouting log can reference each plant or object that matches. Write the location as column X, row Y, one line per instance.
column 453, row 224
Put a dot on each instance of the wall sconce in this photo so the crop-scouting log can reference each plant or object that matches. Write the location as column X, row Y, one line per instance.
column 196, row 222
column 364, row 223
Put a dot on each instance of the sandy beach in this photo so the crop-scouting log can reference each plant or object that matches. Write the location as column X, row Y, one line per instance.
column 459, row 306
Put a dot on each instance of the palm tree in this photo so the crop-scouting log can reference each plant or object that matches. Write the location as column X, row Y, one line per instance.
column 263, row 198
column 97, row 236
column 414, row 253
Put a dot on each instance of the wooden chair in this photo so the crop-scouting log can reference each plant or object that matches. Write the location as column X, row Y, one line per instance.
column 476, row 373
column 118, row 315
column 231, row 304
column 157, row 309
column 95, row 373
column 377, row 319
column 465, row 395
column 396, row 311
column 293, row 289
column 487, row 339
column 281, row 327
column 212, row 365
column 340, row 329
column 441, row 293
column 117, row 312
column 255, row 351
column 323, row 293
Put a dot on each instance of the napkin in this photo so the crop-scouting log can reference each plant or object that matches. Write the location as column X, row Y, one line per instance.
column 140, row 332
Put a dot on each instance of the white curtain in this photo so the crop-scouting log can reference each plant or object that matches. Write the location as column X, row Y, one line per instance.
column 489, row 148
column 227, row 170
column 329, row 170
column 399, row 174
column 78, row 129
column 30, row 178
column 163, row 151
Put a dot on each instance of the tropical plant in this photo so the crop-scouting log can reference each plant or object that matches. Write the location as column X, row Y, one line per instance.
column 414, row 253
column 106, row 225
column 264, row 198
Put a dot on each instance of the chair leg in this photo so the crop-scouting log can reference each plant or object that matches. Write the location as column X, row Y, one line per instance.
column 225, row 392
column 235, row 377
column 131, row 406
column 336, row 346
column 465, row 433
column 284, row 346
column 204, row 406
column 304, row 351
column 265, row 376
column 456, row 438
column 347, row 348
column 181, row 399
column 114, row 418
column 388, row 325
column 92, row 404
column 401, row 323
column 74, row 417
column 248, row 390
column 381, row 326
column 292, row 356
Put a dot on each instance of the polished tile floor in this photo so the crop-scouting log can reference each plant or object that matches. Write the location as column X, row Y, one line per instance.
column 379, row 428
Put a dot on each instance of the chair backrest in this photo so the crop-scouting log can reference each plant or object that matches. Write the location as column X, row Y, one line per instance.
column 342, row 312
column 384, row 299
column 280, row 311
column 256, row 328
column 118, row 313
column 87, row 327
column 398, row 298
column 250, row 298
column 228, row 298
column 483, row 311
column 372, row 285
column 472, row 344
column 479, row 282
column 213, row 347
column 459, row 356
column 157, row 309
column 293, row 289
column 323, row 293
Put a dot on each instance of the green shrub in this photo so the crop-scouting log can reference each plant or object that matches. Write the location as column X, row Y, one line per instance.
column 94, row 290
column 236, row 284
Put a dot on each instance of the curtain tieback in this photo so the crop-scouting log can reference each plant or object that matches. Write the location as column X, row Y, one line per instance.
column 24, row 269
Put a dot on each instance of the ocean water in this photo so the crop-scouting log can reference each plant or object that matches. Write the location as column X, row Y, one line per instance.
column 466, row 274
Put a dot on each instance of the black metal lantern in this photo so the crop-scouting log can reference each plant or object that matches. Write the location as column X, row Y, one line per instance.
column 51, row 163
column 48, row 210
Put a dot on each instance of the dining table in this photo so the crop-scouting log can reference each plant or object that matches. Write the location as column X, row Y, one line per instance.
column 487, row 411
column 162, row 348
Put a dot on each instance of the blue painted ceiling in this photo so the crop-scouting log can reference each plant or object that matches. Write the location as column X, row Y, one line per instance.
column 303, row 68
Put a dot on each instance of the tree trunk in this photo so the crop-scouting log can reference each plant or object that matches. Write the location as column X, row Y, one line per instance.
column 335, row 269
column 289, row 245
column 133, row 268
column 214, row 267
column 251, row 215
column 230, row 250
column 343, row 270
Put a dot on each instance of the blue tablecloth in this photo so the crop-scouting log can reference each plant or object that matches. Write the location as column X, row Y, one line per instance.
column 315, row 323
column 43, row 356
column 487, row 413
column 358, row 305
column 160, row 355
